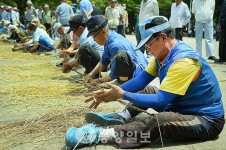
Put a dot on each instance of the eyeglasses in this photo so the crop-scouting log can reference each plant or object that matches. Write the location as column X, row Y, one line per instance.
column 148, row 45
column 95, row 34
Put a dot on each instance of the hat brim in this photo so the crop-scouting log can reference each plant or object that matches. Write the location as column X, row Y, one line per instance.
column 102, row 26
column 142, row 42
column 71, row 29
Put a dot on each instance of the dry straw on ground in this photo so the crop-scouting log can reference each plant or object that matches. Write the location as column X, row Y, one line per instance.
column 31, row 82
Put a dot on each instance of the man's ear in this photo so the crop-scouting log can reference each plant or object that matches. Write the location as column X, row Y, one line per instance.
column 164, row 37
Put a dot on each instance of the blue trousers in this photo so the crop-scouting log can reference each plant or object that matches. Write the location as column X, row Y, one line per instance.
column 44, row 45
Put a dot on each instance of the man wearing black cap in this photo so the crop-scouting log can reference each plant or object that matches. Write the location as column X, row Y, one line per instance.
column 87, row 50
column 119, row 53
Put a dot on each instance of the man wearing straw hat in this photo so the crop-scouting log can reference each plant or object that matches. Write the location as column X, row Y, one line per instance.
column 189, row 100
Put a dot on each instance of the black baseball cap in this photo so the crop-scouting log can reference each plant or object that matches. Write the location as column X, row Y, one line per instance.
column 75, row 21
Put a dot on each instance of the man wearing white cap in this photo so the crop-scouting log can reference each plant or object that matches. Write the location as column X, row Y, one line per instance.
column 47, row 19
column 16, row 33
column 13, row 15
column 189, row 100
column 31, row 13
column 65, row 40
column 4, row 14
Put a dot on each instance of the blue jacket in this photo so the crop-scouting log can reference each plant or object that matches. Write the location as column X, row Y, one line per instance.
column 116, row 43
column 203, row 96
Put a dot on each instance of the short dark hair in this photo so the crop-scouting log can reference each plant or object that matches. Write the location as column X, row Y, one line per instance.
column 157, row 21
column 31, row 27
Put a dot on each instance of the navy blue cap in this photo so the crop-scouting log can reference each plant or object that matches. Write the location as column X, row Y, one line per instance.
column 95, row 23
column 75, row 21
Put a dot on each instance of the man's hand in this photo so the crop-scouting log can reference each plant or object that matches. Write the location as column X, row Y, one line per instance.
column 105, row 95
column 66, row 52
column 92, row 83
column 91, row 97
column 88, row 78
column 66, row 67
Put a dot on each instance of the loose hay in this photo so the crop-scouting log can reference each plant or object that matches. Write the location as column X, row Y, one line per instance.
column 37, row 102
column 31, row 82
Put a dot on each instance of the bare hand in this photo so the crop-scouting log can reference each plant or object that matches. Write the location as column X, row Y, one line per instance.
column 88, row 78
column 66, row 67
column 111, row 94
column 104, row 95
column 92, row 98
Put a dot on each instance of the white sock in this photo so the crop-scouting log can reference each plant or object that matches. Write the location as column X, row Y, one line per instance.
column 107, row 134
column 125, row 114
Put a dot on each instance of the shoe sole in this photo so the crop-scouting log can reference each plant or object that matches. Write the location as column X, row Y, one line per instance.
column 98, row 120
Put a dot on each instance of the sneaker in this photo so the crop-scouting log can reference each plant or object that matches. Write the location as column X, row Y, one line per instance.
column 86, row 135
column 104, row 119
column 212, row 58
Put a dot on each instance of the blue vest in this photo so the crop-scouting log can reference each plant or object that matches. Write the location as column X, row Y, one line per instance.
column 203, row 96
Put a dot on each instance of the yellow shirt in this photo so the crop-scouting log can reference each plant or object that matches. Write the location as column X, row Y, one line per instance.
column 179, row 76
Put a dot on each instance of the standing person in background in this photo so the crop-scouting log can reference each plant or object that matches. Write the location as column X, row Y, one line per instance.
column 5, row 16
column 137, row 31
column 121, row 26
column 126, row 22
column 63, row 13
column 75, row 8
column 86, row 8
column 203, row 11
column 222, row 30
column 17, row 14
column 179, row 18
column 47, row 19
column 31, row 13
column 148, row 8
column 112, row 13
column 13, row 15
column 96, row 10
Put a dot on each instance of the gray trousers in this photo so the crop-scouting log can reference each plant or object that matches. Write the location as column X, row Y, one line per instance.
column 172, row 125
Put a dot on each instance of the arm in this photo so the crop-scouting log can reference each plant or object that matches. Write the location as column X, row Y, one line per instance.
column 141, row 82
column 187, row 16
column 156, row 101
column 156, row 9
column 193, row 7
column 99, row 67
column 35, row 46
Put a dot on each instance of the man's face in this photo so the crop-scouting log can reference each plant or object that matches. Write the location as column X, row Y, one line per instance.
column 29, row 5
column 60, row 30
column 157, row 46
column 178, row 1
column 101, row 36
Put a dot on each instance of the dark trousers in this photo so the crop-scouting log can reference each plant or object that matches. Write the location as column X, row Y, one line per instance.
column 88, row 57
column 121, row 30
column 222, row 45
column 171, row 124
column 179, row 33
column 124, row 66
column 48, row 28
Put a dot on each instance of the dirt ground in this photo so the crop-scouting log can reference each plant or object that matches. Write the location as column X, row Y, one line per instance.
column 38, row 104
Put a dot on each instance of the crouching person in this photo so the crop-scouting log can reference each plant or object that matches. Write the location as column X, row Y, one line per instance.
column 16, row 34
column 40, row 41
column 189, row 100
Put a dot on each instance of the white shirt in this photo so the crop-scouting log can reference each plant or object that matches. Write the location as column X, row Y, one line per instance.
column 113, row 16
column 203, row 10
column 148, row 8
column 180, row 15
